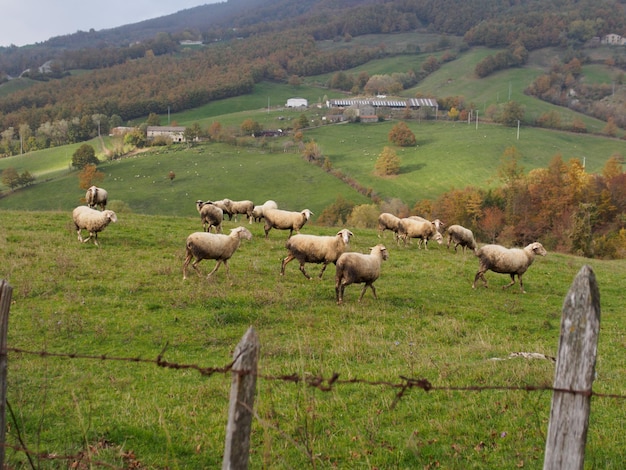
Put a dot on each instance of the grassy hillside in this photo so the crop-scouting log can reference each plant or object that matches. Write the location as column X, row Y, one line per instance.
column 127, row 300
column 448, row 155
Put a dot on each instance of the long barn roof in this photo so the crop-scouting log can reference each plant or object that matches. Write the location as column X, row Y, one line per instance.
column 377, row 102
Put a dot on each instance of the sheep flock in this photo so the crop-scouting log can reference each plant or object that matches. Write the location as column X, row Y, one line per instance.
column 352, row 267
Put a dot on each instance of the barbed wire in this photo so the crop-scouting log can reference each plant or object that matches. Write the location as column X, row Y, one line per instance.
column 324, row 384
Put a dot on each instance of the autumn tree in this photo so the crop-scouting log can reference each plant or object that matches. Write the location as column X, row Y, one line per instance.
column 387, row 163
column 89, row 176
column 84, row 155
column 10, row 178
column 312, row 152
column 337, row 213
column 153, row 120
column 401, row 135
column 215, row 131
column 512, row 113
column 492, row 222
column 250, row 127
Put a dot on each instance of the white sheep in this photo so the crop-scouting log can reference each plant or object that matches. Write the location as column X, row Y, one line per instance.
column 461, row 236
column 324, row 249
column 96, row 196
column 210, row 216
column 92, row 220
column 510, row 261
column 258, row 211
column 240, row 207
column 437, row 223
column 285, row 220
column 217, row 246
column 356, row 268
column 388, row 221
column 422, row 229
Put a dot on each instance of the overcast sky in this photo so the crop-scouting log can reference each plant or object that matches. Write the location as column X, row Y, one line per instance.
column 25, row 22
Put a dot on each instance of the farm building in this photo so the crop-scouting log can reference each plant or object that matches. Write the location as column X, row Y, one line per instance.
column 412, row 103
column 176, row 133
column 614, row 40
column 297, row 103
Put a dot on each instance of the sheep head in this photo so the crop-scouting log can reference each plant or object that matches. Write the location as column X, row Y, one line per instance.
column 383, row 251
column 538, row 249
column 307, row 214
column 241, row 232
column 345, row 234
column 109, row 214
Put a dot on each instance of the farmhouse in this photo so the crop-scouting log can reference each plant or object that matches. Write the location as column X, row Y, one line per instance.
column 613, row 40
column 297, row 103
column 175, row 133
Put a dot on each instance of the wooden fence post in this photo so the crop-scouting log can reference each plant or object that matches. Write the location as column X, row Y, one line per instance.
column 5, row 304
column 242, row 390
column 575, row 370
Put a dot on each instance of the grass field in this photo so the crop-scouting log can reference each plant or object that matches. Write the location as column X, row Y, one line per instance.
column 127, row 299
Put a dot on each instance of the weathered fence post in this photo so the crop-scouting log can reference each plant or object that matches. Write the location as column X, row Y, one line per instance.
column 242, row 389
column 575, row 370
column 5, row 304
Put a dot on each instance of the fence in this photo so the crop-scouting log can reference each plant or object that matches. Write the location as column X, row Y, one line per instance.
column 572, row 389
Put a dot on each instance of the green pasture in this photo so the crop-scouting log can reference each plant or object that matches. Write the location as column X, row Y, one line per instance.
column 127, row 300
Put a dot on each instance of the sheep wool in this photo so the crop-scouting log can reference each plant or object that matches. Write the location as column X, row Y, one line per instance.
column 356, row 268
column 92, row 220
column 217, row 246
column 210, row 216
column 422, row 229
column 388, row 221
column 512, row 261
column 318, row 249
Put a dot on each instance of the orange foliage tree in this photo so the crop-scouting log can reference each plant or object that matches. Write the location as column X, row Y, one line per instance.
column 89, row 176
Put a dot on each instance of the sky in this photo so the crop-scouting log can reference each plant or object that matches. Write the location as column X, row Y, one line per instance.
column 25, row 22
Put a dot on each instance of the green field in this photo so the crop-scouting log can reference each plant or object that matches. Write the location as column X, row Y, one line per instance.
column 127, row 300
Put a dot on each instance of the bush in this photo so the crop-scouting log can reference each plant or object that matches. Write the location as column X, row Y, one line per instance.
column 84, row 155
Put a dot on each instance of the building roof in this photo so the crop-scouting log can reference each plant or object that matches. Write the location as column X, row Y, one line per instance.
column 376, row 102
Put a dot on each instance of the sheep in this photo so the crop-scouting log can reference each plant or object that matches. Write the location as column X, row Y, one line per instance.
column 283, row 220
column 356, row 268
column 461, row 236
column 240, row 207
column 96, row 196
column 92, row 220
column 210, row 215
column 424, row 230
column 217, row 246
column 510, row 261
column 387, row 221
column 316, row 249
column 258, row 211
column 437, row 223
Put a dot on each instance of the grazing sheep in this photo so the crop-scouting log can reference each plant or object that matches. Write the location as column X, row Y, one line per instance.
column 387, row 221
column 285, row 220
column 92, row 220
column 258, row 211
column 510, row 261
column 96, row 196
column 316, row 249
column 217, row 246
column 355, row 268
column 210, row 215
column 461, row 236
column 424, row 230
column 240, row 207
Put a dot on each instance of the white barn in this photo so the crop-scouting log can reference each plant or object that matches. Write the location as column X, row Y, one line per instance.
column 297, row 103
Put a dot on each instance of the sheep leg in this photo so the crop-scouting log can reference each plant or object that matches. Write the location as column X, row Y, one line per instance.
column 80, row 236
column 510, row 283
column 217, row 265
column 267, row 230
column 480, row 274
column 185, row 264
column 339, row 288
column 323, row 269
column 286, row 260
